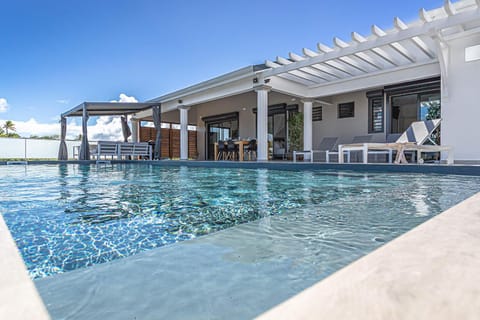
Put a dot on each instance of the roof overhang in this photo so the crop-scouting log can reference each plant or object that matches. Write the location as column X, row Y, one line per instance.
column 223, row 80
column 108, row 108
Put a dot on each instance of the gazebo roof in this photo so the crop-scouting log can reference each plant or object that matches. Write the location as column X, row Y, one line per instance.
column 108, row 108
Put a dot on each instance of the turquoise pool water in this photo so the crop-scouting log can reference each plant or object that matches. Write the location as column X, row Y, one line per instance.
column 71, row 216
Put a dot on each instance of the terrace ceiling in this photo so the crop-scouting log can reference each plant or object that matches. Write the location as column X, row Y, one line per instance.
column 405, row 45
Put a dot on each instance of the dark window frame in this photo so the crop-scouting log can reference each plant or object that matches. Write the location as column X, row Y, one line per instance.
column 376, row 100
column 317, row 113
column 345, row 114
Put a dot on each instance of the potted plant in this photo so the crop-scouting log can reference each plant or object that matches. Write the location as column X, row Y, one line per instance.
column 295, row 131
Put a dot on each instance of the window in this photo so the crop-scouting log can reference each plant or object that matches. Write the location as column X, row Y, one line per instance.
column 317, row 113
column 376, row 113
column 412, row 101
column 346, row 110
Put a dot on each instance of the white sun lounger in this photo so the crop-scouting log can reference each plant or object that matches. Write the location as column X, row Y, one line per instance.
column 412, row 139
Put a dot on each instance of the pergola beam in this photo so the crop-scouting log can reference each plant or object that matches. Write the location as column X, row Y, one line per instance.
column 292, row 76
column 376, row 30
column 301, row 72
column 312, row 71
column 414, row 31
column 449, row 8
column 310, row 53
column 400, row 25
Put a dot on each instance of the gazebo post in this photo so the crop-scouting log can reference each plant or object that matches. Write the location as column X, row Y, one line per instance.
column 84, row 147
column 157, row 121
column 62, row 150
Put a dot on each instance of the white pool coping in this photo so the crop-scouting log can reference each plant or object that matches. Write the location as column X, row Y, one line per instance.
column 19, row 298
column 430, row 272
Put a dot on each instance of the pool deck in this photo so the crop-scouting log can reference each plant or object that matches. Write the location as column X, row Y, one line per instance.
column 19, row 298
column 431, row 272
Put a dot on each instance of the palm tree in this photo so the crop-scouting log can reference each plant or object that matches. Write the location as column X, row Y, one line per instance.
column 9, row 125
column 1, row 132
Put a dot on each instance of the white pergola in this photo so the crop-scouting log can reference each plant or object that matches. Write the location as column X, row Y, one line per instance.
column 404, row 46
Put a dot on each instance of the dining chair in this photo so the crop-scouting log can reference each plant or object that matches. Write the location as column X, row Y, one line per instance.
column 252, row 149
column 232, row 150
column 221, row 150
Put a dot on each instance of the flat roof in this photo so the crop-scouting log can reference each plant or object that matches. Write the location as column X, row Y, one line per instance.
column 108, row 108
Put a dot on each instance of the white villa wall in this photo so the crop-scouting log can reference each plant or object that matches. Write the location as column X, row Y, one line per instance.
column 461, row 108
column 347, row 128
column 33, row 148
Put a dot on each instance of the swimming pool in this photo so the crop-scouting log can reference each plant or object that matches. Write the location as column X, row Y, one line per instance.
column 66, row 217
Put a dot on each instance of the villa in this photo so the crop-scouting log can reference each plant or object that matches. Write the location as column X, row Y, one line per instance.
column 370, row 85
column 267, row 238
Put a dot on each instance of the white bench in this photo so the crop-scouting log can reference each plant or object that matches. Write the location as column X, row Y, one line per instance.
column 123, row 149
column 134, row 149
column 106, row 149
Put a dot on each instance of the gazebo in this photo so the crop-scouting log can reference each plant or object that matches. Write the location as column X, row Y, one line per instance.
column 123, row 109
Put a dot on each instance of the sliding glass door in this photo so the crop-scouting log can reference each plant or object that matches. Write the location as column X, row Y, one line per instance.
column 408, row 108
column 220, row 128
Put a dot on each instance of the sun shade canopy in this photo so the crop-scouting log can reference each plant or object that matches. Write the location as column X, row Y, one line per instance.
column 108, row 108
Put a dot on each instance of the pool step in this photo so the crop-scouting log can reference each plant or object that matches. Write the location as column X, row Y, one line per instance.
column 17, row 163
column 103, row 162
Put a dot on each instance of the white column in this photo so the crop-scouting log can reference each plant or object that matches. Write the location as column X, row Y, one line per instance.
column 262, row 122
column 135, row 130
column 183, row 132
column 307, row 124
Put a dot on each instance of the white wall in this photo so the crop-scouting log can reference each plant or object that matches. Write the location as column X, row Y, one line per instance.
column 347, row 128
column 33, row 148
column 461, row 108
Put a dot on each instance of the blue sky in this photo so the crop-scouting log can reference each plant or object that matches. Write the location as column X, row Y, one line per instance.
column 57, row 54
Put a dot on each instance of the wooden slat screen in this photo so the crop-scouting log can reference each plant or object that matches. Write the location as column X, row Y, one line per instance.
column 171, row 141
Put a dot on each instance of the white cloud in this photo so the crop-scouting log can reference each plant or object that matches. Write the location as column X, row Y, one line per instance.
column 63, row 101
column 3, row 105
column 124, row 98
column 104, row 128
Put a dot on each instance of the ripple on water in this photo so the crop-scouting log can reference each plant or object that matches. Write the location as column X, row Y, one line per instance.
column 68, row 217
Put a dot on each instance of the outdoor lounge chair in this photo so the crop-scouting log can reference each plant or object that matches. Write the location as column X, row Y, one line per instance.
column 327, row 146
column 412, row 139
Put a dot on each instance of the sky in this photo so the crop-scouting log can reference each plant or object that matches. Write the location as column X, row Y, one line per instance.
column 56, row 54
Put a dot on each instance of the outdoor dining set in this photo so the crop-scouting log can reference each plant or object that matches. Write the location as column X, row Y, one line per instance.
column 236, row 150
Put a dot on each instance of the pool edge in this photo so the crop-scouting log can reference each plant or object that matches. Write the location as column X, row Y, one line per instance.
column 455, row 169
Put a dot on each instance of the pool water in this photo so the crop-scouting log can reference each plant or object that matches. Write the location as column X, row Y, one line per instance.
column 73, row 216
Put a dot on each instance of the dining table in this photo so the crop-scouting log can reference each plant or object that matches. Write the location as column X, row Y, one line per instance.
column 241, row 146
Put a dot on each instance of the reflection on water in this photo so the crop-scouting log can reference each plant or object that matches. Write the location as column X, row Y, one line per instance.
column 69, row 216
